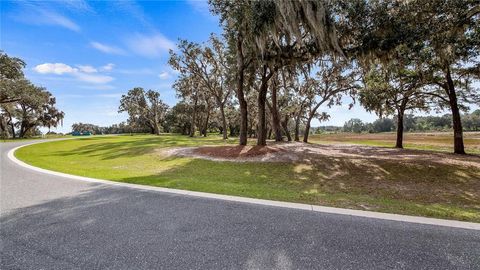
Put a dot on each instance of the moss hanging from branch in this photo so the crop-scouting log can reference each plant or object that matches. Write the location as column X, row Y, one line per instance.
column 290, row 31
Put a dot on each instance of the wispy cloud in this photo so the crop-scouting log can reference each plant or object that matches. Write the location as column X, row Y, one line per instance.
column 82, row 73
column 108, row 67
column 77, row 5
column 200, row 6
column 150, row 46
column 140, row 71
column 91, row 78
column 45, row 17
column 107, row 48
column 164, row 75
column 54, row 18
column 113, row 95
column 87, row 69
column 133, row 9
column 98, row 87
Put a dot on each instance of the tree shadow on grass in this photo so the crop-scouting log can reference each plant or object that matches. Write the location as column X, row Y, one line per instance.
column 107, row 149
column 318, row 177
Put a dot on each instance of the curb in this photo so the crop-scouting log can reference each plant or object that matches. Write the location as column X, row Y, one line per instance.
column 299, row 206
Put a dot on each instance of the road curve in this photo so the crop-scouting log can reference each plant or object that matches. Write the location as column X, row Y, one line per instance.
column 51, row 222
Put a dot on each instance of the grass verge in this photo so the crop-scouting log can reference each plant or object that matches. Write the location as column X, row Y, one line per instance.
column 419, row 187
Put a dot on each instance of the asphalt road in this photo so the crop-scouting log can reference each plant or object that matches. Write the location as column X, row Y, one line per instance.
column 50, row 222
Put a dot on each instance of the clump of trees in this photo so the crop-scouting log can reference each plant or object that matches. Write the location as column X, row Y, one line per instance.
column 144, row 108
column 285, row 60
column 120, row 128
column 24, row 107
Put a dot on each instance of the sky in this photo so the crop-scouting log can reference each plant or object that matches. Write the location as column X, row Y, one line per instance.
column 87, row 54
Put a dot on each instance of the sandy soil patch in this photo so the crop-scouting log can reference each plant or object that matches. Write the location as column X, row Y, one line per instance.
column 307, row 153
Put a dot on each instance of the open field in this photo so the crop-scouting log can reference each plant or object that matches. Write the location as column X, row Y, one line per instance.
column 360, row 177
column 438, row 141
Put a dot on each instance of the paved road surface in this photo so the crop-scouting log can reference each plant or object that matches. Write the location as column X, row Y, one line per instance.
column 49, row 222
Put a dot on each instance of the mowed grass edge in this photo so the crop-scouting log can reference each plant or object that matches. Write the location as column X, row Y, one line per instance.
column 139, row 159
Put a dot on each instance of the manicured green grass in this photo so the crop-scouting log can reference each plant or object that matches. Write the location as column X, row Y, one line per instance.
column 418, row 187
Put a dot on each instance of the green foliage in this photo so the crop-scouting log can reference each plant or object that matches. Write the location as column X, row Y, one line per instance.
column 10, row 67
column 177, row 119
column 144, row 108
column 382, row 125
column 33, row 107
column 354, row 125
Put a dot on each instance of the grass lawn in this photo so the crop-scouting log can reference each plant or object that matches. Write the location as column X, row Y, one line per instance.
column 415, row 187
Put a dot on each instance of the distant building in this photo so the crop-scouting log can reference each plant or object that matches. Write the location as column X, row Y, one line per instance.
column 83, row 133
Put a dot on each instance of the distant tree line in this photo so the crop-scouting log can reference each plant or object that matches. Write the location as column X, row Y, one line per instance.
column 412, row 123
column 24, row 107
column 120, row 128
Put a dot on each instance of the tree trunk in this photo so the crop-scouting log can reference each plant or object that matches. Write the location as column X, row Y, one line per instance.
column 261, row 100
column 3, row 128
column 240, row 93
column 297, row 128
column 21, row 133
column 205, row 126
column 285, row 127
column 156, row 128
column 194, row 118
column 11, row 124
column 224, row 121
column 400, row 114
column 458, row 146
column 275, row 115
column 307, row 129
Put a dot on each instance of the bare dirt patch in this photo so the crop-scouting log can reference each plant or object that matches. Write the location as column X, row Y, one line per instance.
column 413, row 175
column 238, row 153
column 310, row 153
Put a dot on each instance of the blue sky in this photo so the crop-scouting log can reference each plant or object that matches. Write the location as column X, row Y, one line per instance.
column 90, row 53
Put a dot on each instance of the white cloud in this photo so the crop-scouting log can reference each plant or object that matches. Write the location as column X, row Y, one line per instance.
column 98, row 87
column 83, row 73
column 141, row 71
column 108, row 67
column 106, row 48
column 90, row 78
column 87, row 69
column 55, row 68
column 164, row 75
column 150, row 46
